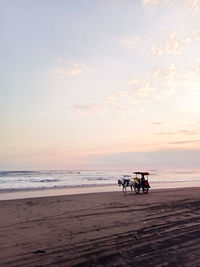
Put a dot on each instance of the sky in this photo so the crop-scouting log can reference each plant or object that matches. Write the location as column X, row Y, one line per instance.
column 99, row 84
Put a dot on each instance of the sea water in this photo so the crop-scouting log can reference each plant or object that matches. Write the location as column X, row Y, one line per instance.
column 16, row 181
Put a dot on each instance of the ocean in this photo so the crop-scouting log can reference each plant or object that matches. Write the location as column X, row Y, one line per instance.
column 21, row 181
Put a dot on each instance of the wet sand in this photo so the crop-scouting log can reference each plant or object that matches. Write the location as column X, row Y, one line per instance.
column 102, row 229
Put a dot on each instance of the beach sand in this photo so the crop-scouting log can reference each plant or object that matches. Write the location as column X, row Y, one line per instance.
column 102, row 229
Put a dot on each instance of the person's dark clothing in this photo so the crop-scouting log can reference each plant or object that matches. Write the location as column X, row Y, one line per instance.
column 142, row 180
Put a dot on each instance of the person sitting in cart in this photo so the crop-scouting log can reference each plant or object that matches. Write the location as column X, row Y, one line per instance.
column 142, row 179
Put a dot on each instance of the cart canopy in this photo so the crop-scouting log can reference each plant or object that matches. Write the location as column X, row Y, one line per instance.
column 144, row 173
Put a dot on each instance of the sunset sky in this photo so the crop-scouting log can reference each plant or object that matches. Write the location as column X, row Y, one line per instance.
column 99, row 84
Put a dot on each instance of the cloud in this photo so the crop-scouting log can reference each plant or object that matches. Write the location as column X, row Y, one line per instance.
column 137, row 89
column 151, row 3
column 196, row 35
column 197, row 59
column 185, row 142
column 178, row 132
column 192, row 5
column 189, row 5
column 136, row 94
column 133, row 81
column 59, row 71
column 125, row 109
column 188, row 78
column 172, row 46
column 118, row 96
column 89, row 108
column 75, row 70
column 111, row 99
column 142, row 90
column 130, row 41
column 157, row 122
column 167, row 74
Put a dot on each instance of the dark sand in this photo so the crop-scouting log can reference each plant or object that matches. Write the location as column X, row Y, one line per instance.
column 102, row 229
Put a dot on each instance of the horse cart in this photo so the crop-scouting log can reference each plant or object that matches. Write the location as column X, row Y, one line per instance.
column 141, row 182
column 137, row 183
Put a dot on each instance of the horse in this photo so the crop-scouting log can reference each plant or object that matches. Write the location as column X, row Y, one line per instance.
column 126, row 183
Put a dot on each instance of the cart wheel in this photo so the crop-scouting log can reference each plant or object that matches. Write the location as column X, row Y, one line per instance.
column 137, row 190
column 145, row 190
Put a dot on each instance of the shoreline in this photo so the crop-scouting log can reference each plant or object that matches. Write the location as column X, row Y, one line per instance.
column 43, row 192
column 35, row 193
column 102, row 229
